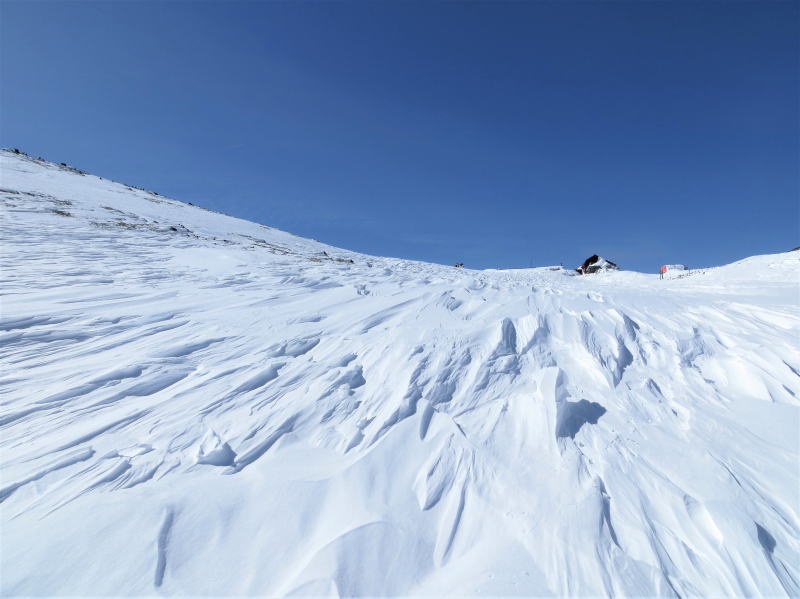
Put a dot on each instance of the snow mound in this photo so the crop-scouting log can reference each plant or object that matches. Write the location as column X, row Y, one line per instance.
column 198, row 405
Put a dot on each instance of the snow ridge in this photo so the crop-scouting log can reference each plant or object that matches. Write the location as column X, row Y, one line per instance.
column 194, row 404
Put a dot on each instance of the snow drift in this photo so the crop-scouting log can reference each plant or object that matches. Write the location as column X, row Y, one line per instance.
column 198, row 405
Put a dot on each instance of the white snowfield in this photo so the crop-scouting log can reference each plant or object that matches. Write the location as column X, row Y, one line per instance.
column 198, row 405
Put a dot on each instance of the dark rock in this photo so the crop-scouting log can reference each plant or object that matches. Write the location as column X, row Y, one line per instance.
column 595, row 263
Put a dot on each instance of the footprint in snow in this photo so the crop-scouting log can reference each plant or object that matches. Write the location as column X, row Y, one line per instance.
column 215, row 452
column 595, row 297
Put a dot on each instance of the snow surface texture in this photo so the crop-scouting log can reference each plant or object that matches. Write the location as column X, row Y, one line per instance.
column 194, row 404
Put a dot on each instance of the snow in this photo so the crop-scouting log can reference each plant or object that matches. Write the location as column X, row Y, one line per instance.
column 198, row 405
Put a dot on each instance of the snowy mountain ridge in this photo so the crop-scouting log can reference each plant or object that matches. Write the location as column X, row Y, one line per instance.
column 198, row 405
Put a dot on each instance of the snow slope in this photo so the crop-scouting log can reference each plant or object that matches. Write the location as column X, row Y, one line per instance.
column 198, row 405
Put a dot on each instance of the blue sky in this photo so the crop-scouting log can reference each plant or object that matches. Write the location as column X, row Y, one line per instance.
column 493, row 133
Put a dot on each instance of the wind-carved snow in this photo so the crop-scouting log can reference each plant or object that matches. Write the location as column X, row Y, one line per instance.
column 197, row 405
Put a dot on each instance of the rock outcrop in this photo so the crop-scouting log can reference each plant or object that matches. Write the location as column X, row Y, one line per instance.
column 595, row 263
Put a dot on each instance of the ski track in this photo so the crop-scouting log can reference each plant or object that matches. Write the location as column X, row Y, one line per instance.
column 287, row 417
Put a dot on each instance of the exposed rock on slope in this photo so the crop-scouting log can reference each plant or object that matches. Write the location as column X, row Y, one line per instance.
column 595, row 263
